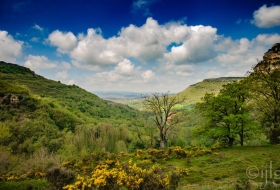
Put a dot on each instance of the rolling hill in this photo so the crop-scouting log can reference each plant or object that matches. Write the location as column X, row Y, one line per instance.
column 193, row 93
column 21, row 81
column 37, row 113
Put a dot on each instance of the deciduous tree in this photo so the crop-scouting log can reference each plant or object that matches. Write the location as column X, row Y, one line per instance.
column 227, row 114
column 162, row 106
column 265, row 88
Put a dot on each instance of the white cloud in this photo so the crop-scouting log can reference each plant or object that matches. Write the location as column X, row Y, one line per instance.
column 197, row 48
column 243, row 53
column 125, row 67
column 65, row 65
column 72, row 81
column 10, row 49
column 64, row 41
column 235, row 74
column 213, row 73
column 37, row 27
column 86, row 67
column 38, row 63
column 34, row 39
column 148, row 74
column 145, row 43
column 268, row 39
column 169, row 52
column 267, row 17
column 123, row 71
column 92, row 50
column 62, row 75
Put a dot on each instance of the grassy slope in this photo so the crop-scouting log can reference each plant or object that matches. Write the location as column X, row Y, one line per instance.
column 221, row 170
column 226, row 167
column 22, row 81
column 193, row 93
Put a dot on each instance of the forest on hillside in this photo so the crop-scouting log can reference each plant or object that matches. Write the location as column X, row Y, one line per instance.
column 61, row 136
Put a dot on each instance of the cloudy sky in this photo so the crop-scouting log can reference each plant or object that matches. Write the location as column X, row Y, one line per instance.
column 137, row 45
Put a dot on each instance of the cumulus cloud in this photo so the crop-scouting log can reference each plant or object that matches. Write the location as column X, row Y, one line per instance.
column 37, row 27
column 267, row 17
column 85, row 66
column 38, row 63
column 92, row 50
column 125, row 67
column 197, row 48
column 64, row 41
column 149, row 42
column 11, row 49
column 172, row 49
column 148, row 74
column 268, row 39
column 243, row 53
column 62, row 75
column 124, row 70
column 145, row 43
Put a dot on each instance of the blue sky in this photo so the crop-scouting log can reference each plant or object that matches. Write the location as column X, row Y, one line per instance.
column 137, row 45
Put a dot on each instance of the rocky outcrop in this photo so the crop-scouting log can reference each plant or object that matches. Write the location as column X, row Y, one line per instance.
column 271, row 60
column 273, row 54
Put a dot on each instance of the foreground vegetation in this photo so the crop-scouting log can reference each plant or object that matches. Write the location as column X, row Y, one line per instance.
column 254, row 167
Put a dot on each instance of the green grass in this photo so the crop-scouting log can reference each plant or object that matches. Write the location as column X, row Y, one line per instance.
column 222, row 170
column 25, row 185
column 226, row 167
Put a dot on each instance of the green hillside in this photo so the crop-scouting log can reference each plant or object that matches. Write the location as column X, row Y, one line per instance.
column 37, row 113
column 21, row 81
column 193, row 93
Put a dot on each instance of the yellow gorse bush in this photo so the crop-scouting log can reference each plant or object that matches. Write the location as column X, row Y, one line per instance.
column 120, row 175
column 31, row 174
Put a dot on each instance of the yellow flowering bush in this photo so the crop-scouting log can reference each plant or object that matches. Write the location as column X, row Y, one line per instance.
column 31, row 174
column 198, row 151
column 180, row 152
column 156, row 153
column 118, row 175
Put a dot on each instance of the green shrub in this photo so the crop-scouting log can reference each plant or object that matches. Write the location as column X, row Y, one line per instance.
column 59, row 177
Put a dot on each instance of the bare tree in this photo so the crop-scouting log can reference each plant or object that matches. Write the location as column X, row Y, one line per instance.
column 162, row 106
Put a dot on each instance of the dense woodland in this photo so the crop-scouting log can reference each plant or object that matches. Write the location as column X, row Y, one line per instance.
column 51, row 129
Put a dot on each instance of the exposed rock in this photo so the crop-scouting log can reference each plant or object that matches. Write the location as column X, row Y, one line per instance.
column 273, row 54
column 271, row 60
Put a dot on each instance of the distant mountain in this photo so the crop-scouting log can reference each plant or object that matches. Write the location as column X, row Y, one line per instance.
column 117, row 95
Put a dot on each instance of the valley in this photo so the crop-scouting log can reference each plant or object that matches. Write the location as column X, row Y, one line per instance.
column 57, row 136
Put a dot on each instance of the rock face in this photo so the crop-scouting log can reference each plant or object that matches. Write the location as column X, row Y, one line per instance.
column 273, row 54
column 271, row 60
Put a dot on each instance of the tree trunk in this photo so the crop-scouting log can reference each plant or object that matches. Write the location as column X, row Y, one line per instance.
column 162, row 144
column 274, row 137
column 241, row 135
column 230, row 141
column 241, row 139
